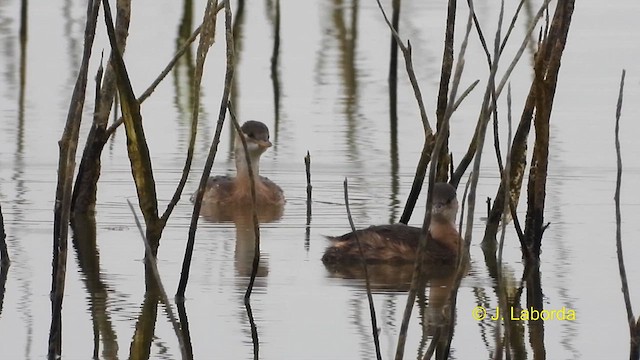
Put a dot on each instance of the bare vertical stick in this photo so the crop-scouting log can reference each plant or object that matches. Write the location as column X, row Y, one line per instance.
column 466, row 159
column 213, row 149
column 427, row 148
column 443, row 93
column 207, row 36
column 85, row 187
column 254, row 212
column 502, row 291
column 256, row 233
column 634, row 327
column 372, row 310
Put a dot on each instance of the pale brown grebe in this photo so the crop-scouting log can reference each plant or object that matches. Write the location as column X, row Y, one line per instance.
column 398, row 243
column 228, row 193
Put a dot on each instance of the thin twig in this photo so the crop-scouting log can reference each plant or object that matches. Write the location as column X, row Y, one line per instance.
column 425, row 155
column 207, row 36
column 254, row 211
column 494, row 100
column 512, row 205
column 406, row 52
column 213, row 149
column 479, row 140
column 164, row 72
column 422, row 244
column 441, row 136
column 458, row 101
column 372, row 310
column 461, row 266
column 621, row 267
column 468, row 157
column 156, row 275
column 502, row 291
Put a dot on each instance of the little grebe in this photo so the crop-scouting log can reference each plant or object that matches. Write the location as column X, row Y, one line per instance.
column 226, row 191
column 398, row 243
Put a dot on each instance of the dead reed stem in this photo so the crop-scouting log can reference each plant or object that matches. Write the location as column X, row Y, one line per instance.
column 463, row 260
column 422, row 246
column 481, row 129
column 165, row 71
column 207, row 37
column 547, row 66
column 634, row 326
column 137, row 148
column 66, row 165
column 213, row 149
column 372, row 309
column 432, row 148
column 256, row 233
column 158, row 280
column 83, row 198
column 85, row 187
column 443, row 92
column 425, row 155
column 502, row 291
column 254, row 212
column 468, row 157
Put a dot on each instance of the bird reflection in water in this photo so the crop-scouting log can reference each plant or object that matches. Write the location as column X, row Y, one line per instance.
column 228, row 198
column 390, row 252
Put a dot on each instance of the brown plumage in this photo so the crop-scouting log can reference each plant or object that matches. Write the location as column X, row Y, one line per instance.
column 398, row 243
column 226, row 195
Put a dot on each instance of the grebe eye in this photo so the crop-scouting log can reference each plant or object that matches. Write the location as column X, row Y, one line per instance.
column 251, row 135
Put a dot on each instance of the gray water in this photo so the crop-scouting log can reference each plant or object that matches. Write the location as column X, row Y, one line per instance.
column 333, row 82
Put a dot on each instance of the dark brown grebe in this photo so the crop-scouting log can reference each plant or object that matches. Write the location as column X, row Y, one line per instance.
column 226, row 193
column 398, row 243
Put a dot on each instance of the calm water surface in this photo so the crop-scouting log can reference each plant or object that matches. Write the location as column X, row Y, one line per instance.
column 333, row 85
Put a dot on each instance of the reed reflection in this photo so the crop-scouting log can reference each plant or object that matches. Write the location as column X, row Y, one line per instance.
column 143, row 337
column 273, row 13
column 88, row 259
column 234, row 199
column 4, row 261
column 345, row 22
column 244, row 255
column 73, row 23
column 389, row 280
column 183, row 73
column 238, row 37
column 22, row 271
column 241, row 218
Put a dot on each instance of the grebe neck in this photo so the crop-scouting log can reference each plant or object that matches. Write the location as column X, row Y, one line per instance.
column 242, row 167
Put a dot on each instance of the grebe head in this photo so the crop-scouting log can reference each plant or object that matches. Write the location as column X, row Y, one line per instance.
column 256, row 135
column 445, row 203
